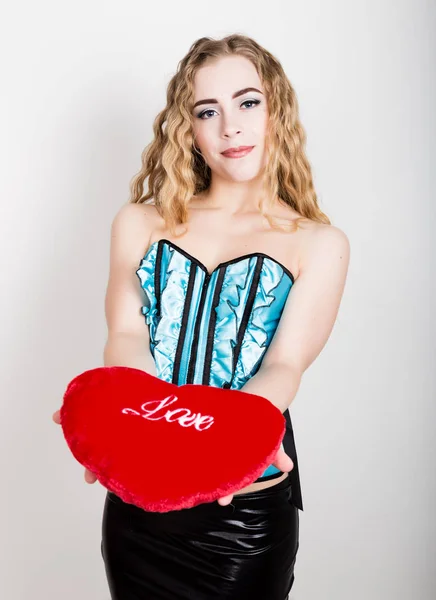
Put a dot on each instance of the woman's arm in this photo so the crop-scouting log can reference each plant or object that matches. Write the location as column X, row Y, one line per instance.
column 128, row 337
column 307, row 319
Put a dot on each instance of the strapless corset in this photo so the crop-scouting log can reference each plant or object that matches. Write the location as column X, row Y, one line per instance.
column 214, row 328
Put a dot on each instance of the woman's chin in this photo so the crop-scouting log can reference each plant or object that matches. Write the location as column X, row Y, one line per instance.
column 242, row 175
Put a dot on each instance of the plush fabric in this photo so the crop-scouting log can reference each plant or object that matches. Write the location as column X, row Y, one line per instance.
column 165, row 447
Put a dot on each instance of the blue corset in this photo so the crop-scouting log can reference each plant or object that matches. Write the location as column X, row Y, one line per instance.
column 214, row 328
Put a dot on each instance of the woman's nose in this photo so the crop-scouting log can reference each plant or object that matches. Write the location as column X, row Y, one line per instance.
column 230, row 131
column 230, row 127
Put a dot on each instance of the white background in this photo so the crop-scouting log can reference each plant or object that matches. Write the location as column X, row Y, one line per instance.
column 81, row 83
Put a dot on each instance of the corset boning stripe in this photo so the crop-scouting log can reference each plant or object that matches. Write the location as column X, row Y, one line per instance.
column 194, row 308
column 204, row 328
column 247, row 312
column 183, row 326
column 157, row 276
column 211, row 330
column 198, row 318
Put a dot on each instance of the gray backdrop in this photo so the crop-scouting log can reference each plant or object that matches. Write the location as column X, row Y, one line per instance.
column 82, row 83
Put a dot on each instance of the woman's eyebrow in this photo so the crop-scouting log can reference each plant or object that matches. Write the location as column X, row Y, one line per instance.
column 235, row 95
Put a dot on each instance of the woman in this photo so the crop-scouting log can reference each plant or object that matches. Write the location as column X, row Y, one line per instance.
column 239, row 276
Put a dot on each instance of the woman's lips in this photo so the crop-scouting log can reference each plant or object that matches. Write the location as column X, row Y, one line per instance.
column 242, row 151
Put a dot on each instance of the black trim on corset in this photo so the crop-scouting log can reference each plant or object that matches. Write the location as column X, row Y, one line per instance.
column 194, row 348
column 246, row 315
column 184, row 324
column 268, row 477
column 212, row 324
column 157, row 272
column 232, row 261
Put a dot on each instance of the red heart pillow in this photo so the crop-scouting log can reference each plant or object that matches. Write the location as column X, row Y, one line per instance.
column 166, row 447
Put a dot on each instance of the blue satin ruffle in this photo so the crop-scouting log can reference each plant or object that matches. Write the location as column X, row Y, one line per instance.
column 225, row 319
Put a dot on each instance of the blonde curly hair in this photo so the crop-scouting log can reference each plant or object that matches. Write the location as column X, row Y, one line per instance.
column 176, row 171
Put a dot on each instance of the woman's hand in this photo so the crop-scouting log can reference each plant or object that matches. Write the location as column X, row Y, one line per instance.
column 89, row 476
column 282, row 462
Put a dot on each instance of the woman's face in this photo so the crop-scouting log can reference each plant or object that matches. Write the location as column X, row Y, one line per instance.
column 229, row 112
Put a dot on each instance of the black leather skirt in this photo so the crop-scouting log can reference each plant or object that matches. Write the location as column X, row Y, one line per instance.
column 243, row 551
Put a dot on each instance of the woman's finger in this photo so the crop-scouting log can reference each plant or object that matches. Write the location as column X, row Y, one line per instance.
column 90, row 477
column 225, row 500
column 283, row 461
column 57, row 417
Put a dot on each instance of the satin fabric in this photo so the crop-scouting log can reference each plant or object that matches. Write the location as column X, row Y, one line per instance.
column 164, row 304
column 246, row 294
column 243, row 551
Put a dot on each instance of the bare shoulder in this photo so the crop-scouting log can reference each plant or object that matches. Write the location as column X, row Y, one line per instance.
column 131, row 230
column 322, row 243
column 133, row 226
column 136, row 218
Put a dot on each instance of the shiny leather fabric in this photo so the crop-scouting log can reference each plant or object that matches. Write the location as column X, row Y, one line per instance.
column 243, row 551
column 214, row 328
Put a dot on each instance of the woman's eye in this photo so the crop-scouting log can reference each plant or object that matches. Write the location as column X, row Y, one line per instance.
column 255, row 102
column 203, row 114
